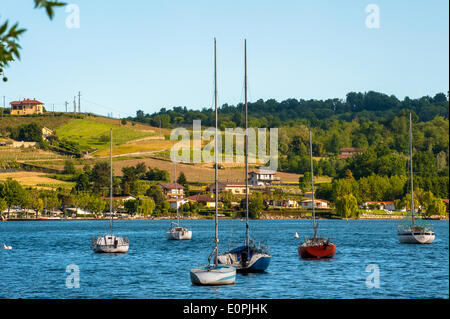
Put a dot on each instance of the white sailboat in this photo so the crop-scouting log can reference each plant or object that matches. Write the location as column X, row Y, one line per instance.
column 110, row 243
column 414, row 230
column 176, row 232
column 214, row 274
column 248, row 257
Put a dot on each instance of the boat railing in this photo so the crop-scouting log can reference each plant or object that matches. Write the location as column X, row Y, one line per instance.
column 260, row 247
column 125, row 240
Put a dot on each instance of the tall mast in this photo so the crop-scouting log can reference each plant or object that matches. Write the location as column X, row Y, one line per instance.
column 111, row 183
column 216, row 238
column 411, row 164
column 246, row 145
column 176, row 189
column 312, row 186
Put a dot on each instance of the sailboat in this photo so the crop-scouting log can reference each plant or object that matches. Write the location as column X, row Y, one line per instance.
column 176, row 232
column 414, row 230
column 110, row 243
column 249, row 257
column 214, row 274
column 315, row 247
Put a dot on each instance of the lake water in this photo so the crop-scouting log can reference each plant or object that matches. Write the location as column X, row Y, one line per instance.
column 157, row 268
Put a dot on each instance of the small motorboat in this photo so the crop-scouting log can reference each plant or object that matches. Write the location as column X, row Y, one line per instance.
column 6, row 247
column 177, row 232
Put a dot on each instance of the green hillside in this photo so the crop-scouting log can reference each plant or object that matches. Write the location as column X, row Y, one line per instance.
column 92, row 133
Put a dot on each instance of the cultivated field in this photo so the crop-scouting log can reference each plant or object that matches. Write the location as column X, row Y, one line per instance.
column 35, row 179
column 197, row 173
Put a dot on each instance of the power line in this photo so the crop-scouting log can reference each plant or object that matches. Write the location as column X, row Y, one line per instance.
column 107, row 107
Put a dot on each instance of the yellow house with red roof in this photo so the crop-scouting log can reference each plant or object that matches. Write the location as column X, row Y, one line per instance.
column 26, row 107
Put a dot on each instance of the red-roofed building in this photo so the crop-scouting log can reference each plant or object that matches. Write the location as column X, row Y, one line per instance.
column 206, row 200
column 27, row 107
column 235, row 188
column 347, row 152
column 172, row 189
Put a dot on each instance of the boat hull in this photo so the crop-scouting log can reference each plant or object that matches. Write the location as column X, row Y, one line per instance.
column 212, row 275
column 179, row 235
column 317, row 251
column 409, row 237
column 111, row 249
column 258, row 262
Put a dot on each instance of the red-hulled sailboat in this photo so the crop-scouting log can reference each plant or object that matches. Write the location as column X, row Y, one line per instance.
column 316, row 247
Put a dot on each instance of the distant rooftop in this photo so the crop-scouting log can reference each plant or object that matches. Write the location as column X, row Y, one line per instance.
column 26, row 101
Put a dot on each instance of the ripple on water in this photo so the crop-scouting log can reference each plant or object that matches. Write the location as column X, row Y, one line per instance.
column 157, row 268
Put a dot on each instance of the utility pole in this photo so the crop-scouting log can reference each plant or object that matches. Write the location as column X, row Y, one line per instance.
column 66, row 105
column 53, row 109
column 3, row 104
column 74, row 106
column 79, row 102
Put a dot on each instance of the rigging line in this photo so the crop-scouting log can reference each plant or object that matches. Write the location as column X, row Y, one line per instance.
column 106, row 107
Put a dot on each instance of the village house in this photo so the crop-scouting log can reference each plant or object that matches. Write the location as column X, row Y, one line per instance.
column 318, row 203
column 308, row 194
column 347, row 152
column 177, row 202
column 206, row 200
column 233, row 187
column 261, row 178
column 379, row 205
column 26, row 107
column 172, row 189
column 122, row 198
column 46, row 132
column 289, row 203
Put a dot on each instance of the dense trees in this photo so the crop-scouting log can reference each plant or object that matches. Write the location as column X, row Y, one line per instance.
column 372, row 106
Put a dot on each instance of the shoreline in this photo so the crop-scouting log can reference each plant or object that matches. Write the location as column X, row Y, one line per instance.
column 374, row 217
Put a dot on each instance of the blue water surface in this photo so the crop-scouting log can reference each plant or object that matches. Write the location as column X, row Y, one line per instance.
column 157, row 268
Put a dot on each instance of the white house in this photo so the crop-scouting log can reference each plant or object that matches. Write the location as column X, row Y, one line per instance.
column 290, row 203
column 181, row 201
column 233, row 187
column 172, row 189
column 318, row 203
column 261, row 177
column 379, row 205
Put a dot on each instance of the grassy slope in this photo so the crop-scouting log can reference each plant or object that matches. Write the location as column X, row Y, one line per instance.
column 87, row 132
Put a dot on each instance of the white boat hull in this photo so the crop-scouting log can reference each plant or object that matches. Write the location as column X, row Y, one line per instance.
column 408, row 237
column 179, row 234
column 110, row 244
column 212, row 275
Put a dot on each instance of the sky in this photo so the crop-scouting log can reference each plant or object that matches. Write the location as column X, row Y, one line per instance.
column 136, row 54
